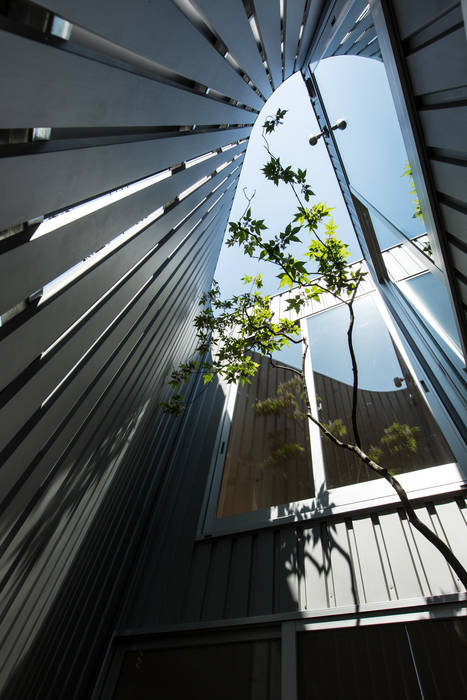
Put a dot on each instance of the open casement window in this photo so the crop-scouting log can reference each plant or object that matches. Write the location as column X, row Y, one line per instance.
column 407, row 263
column 274, row 465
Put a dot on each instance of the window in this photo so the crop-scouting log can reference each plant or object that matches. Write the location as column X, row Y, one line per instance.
column 268, row 458
column 244, row 669
column 394, row 422
column 274, row 465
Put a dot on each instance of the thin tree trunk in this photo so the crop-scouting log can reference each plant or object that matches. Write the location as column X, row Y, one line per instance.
column 402, row 494
column 383, row 472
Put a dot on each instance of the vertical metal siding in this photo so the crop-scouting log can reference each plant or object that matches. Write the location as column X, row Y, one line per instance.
column 102, row 493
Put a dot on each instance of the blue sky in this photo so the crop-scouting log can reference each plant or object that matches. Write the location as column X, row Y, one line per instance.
column 355, row 89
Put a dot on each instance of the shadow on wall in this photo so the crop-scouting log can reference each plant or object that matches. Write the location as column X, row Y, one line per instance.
column 289, row 568
column 46, row 568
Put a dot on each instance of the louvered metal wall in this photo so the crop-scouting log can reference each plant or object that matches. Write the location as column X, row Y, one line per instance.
column 96, row 305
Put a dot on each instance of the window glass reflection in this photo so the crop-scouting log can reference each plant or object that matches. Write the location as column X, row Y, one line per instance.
column 268, row 460
column 429, row 297
column 395, row 424
column 371, row 147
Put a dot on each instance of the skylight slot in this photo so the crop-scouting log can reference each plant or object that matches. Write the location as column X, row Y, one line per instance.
column 199, row 159
column 363, row 14
column 184, row 239
column 89, row 350
column 214, row 203
column 76, row 271
column 344, row 39
column 192, row 188
column 221, row 167
column 254, row 29
column 70, row 215
column 220, row 184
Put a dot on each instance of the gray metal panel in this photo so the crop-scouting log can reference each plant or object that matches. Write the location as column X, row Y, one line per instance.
column 399, row 554
column 311, row 26
column 218, row 580
column 351, row 45
column 443, row 127
column 269, row 26
column 418, row 13
column 433, row 565
column 314, row 570
column 48, row 322
column 71, row 90
column 148, row 29
column 45, row 422
column 371, row 558
column 261, row 598
column 287, row 561
column 164, row 340
column 239, row 580
column 196, row 585
column 341, row 580
column 45, row 590
column 451, row 517
column 45, row 258
column 42, row 183
column 230, row 21
column 450, row 179
column 369, row 561
column 293, row 19
column 338, row 18
column 440, row 65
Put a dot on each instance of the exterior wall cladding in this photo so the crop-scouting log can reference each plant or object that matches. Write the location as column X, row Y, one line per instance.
column 101, row 494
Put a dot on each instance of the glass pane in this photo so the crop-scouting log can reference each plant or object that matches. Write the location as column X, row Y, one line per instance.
column 394, row 422
column 371, row 146
column 228, row 671
column 430, row 298
column 268, row 460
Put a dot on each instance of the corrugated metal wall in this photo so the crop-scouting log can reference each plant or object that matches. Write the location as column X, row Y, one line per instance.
column 152, row 104
column 312, row 566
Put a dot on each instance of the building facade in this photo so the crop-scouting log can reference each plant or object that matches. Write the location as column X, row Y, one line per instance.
column 124, row 127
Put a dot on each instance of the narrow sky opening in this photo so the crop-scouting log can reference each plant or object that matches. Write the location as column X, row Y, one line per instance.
column 276, row 205
column 355, row 89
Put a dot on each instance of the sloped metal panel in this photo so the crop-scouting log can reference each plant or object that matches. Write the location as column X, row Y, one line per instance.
column 88, row 234
column 148, row 29
column 433, row 61
column 230, row 21
column 85, row 449
column 294, row 10
column 269, row 27
column 38, row 182
column 70, row 90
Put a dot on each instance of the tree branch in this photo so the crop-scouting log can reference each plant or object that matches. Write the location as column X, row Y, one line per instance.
column 402, row 494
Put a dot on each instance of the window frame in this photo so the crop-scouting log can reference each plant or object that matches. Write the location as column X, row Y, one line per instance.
column 419, row 483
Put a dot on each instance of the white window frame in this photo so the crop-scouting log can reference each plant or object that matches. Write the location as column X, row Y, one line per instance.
column 418, row 484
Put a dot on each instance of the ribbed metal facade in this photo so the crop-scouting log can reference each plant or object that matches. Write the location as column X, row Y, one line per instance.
column 100, row 493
